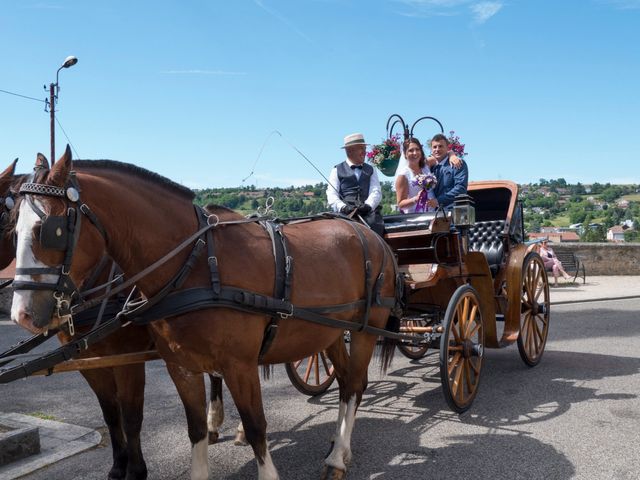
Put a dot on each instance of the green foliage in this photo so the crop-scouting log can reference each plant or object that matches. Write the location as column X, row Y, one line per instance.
column 549, row 203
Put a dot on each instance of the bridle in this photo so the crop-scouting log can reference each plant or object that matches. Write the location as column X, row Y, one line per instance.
column 61, row 233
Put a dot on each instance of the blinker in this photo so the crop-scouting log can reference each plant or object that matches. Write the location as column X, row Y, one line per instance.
column 53, row 233
column 9, row 203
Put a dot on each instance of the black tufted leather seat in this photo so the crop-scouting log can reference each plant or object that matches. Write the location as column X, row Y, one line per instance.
column 486, row 237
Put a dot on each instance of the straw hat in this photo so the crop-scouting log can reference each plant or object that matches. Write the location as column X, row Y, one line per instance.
column 354, row 139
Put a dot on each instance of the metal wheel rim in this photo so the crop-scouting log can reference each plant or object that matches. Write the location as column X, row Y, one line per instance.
column 312, row 375
column 462, row 372
column 534, row 311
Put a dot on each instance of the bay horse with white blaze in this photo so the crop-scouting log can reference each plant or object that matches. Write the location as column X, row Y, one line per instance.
column 341, row 274
column 119, row 390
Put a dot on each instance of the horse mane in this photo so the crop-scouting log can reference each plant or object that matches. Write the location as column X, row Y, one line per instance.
column 138, row 172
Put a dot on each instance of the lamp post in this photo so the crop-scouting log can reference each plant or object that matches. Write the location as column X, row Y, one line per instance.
column 53, row 96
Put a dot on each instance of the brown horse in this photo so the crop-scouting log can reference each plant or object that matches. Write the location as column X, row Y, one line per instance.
column 338, row 266
column 119, row 390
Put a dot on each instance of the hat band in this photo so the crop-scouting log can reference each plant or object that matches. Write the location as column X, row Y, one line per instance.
column 358, row 141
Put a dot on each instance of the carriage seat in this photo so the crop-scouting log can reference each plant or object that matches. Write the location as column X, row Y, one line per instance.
column 408, row 222
column 486, row 237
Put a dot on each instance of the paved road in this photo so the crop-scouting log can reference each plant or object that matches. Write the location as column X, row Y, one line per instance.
column 574, row 416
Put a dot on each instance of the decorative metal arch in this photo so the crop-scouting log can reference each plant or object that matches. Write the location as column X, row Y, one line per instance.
column 407, row 132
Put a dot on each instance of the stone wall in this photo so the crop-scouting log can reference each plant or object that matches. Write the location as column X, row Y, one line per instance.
column 598, row 259
column 605, row 258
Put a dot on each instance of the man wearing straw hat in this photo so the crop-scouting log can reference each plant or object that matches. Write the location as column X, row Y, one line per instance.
column 354, row 187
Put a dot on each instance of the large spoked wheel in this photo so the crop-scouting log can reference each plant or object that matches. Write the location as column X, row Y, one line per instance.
column 461, row 349
column 534, row 311
column 312, row 375
column 417, row 347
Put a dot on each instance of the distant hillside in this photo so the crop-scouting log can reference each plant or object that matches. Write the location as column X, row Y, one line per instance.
column 546, row 203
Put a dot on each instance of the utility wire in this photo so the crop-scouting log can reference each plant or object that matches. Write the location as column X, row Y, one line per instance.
column 23, row 96
column 67, row 137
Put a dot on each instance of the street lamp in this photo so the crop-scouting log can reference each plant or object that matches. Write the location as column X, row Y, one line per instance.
column 54, row 88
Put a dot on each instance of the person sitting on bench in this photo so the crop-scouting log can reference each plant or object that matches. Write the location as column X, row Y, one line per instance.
column 551, row 262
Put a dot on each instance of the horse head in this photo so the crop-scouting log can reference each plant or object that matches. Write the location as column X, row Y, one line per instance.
column 7, row 202
column 48, row 234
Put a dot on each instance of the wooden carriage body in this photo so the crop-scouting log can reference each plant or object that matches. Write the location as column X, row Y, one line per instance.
column 433, row 257
column 487, row 265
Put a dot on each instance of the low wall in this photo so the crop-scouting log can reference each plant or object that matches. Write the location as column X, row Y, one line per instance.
column 605, row 258
column 598, row 259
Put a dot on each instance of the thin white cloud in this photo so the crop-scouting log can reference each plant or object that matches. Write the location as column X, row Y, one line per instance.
column 277, row 15
column 622, row 4
column 45, row 6
column 483, row 11
column 480, row 11
column 201, row 72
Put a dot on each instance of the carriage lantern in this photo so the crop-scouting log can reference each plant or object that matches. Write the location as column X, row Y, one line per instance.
column 464, row 212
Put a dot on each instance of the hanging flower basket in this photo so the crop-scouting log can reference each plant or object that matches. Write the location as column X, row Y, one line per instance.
column 386, row 156
column 388, row 166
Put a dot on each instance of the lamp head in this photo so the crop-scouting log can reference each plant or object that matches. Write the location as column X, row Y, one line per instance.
column 69, row 61
column 464, row 212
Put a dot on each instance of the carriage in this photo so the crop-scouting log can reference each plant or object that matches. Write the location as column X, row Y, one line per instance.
column 446, row 278
column 470, row 284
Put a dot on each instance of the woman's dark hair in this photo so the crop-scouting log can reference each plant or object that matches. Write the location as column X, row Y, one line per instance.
column 405, row 147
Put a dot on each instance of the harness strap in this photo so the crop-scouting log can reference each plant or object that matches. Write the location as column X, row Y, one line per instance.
column 282, row 280
column 62, row 353
column 367, row 274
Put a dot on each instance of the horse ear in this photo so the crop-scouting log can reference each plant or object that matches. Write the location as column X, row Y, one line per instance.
column 60, row 170
column 10, row 170
column 42, row 162
column 6, row 177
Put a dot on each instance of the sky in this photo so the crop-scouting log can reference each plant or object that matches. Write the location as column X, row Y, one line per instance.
column 195, row 89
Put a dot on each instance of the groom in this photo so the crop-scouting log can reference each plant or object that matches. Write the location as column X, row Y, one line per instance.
column 452, row 181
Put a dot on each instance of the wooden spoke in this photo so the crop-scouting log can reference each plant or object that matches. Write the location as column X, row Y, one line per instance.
column 534, row 310
column 461, row 347
column 313, row 377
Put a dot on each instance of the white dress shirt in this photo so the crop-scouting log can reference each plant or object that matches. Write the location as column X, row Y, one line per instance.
column 375, row 192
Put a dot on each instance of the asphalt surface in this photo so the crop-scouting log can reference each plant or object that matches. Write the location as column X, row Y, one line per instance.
column 574, row 416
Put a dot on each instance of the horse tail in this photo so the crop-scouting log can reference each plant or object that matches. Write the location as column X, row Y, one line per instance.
column 267, row 371
column 388, row 346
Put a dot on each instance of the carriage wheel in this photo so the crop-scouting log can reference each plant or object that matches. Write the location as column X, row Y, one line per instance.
column 461, row 349
column 417, row 348
column 312, row 375
column 534, row 311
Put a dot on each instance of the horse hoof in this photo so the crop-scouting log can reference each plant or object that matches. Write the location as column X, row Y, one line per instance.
column 240, row 440
column 332, row 473
column 213, row 437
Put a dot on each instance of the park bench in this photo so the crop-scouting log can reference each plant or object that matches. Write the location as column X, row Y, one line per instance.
column 572, row 265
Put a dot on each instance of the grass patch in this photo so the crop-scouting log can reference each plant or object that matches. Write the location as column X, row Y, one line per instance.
column 42, row 416
column 633, row 197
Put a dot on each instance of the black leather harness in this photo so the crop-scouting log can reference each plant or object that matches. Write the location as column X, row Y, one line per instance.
column 172, row 301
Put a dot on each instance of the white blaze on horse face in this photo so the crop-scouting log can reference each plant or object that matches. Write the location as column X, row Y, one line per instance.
column 22, row 299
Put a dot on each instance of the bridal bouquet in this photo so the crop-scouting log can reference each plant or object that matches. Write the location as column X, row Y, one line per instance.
column 426, row 182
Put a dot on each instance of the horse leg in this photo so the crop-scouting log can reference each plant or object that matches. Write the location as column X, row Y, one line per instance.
column 130, row 381
column 351, row 389
column 244, row 386
column 103, row 384
column 191, row 389
column 215, row 412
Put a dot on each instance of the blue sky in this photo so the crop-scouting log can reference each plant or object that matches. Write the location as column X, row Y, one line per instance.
column 192, row 89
